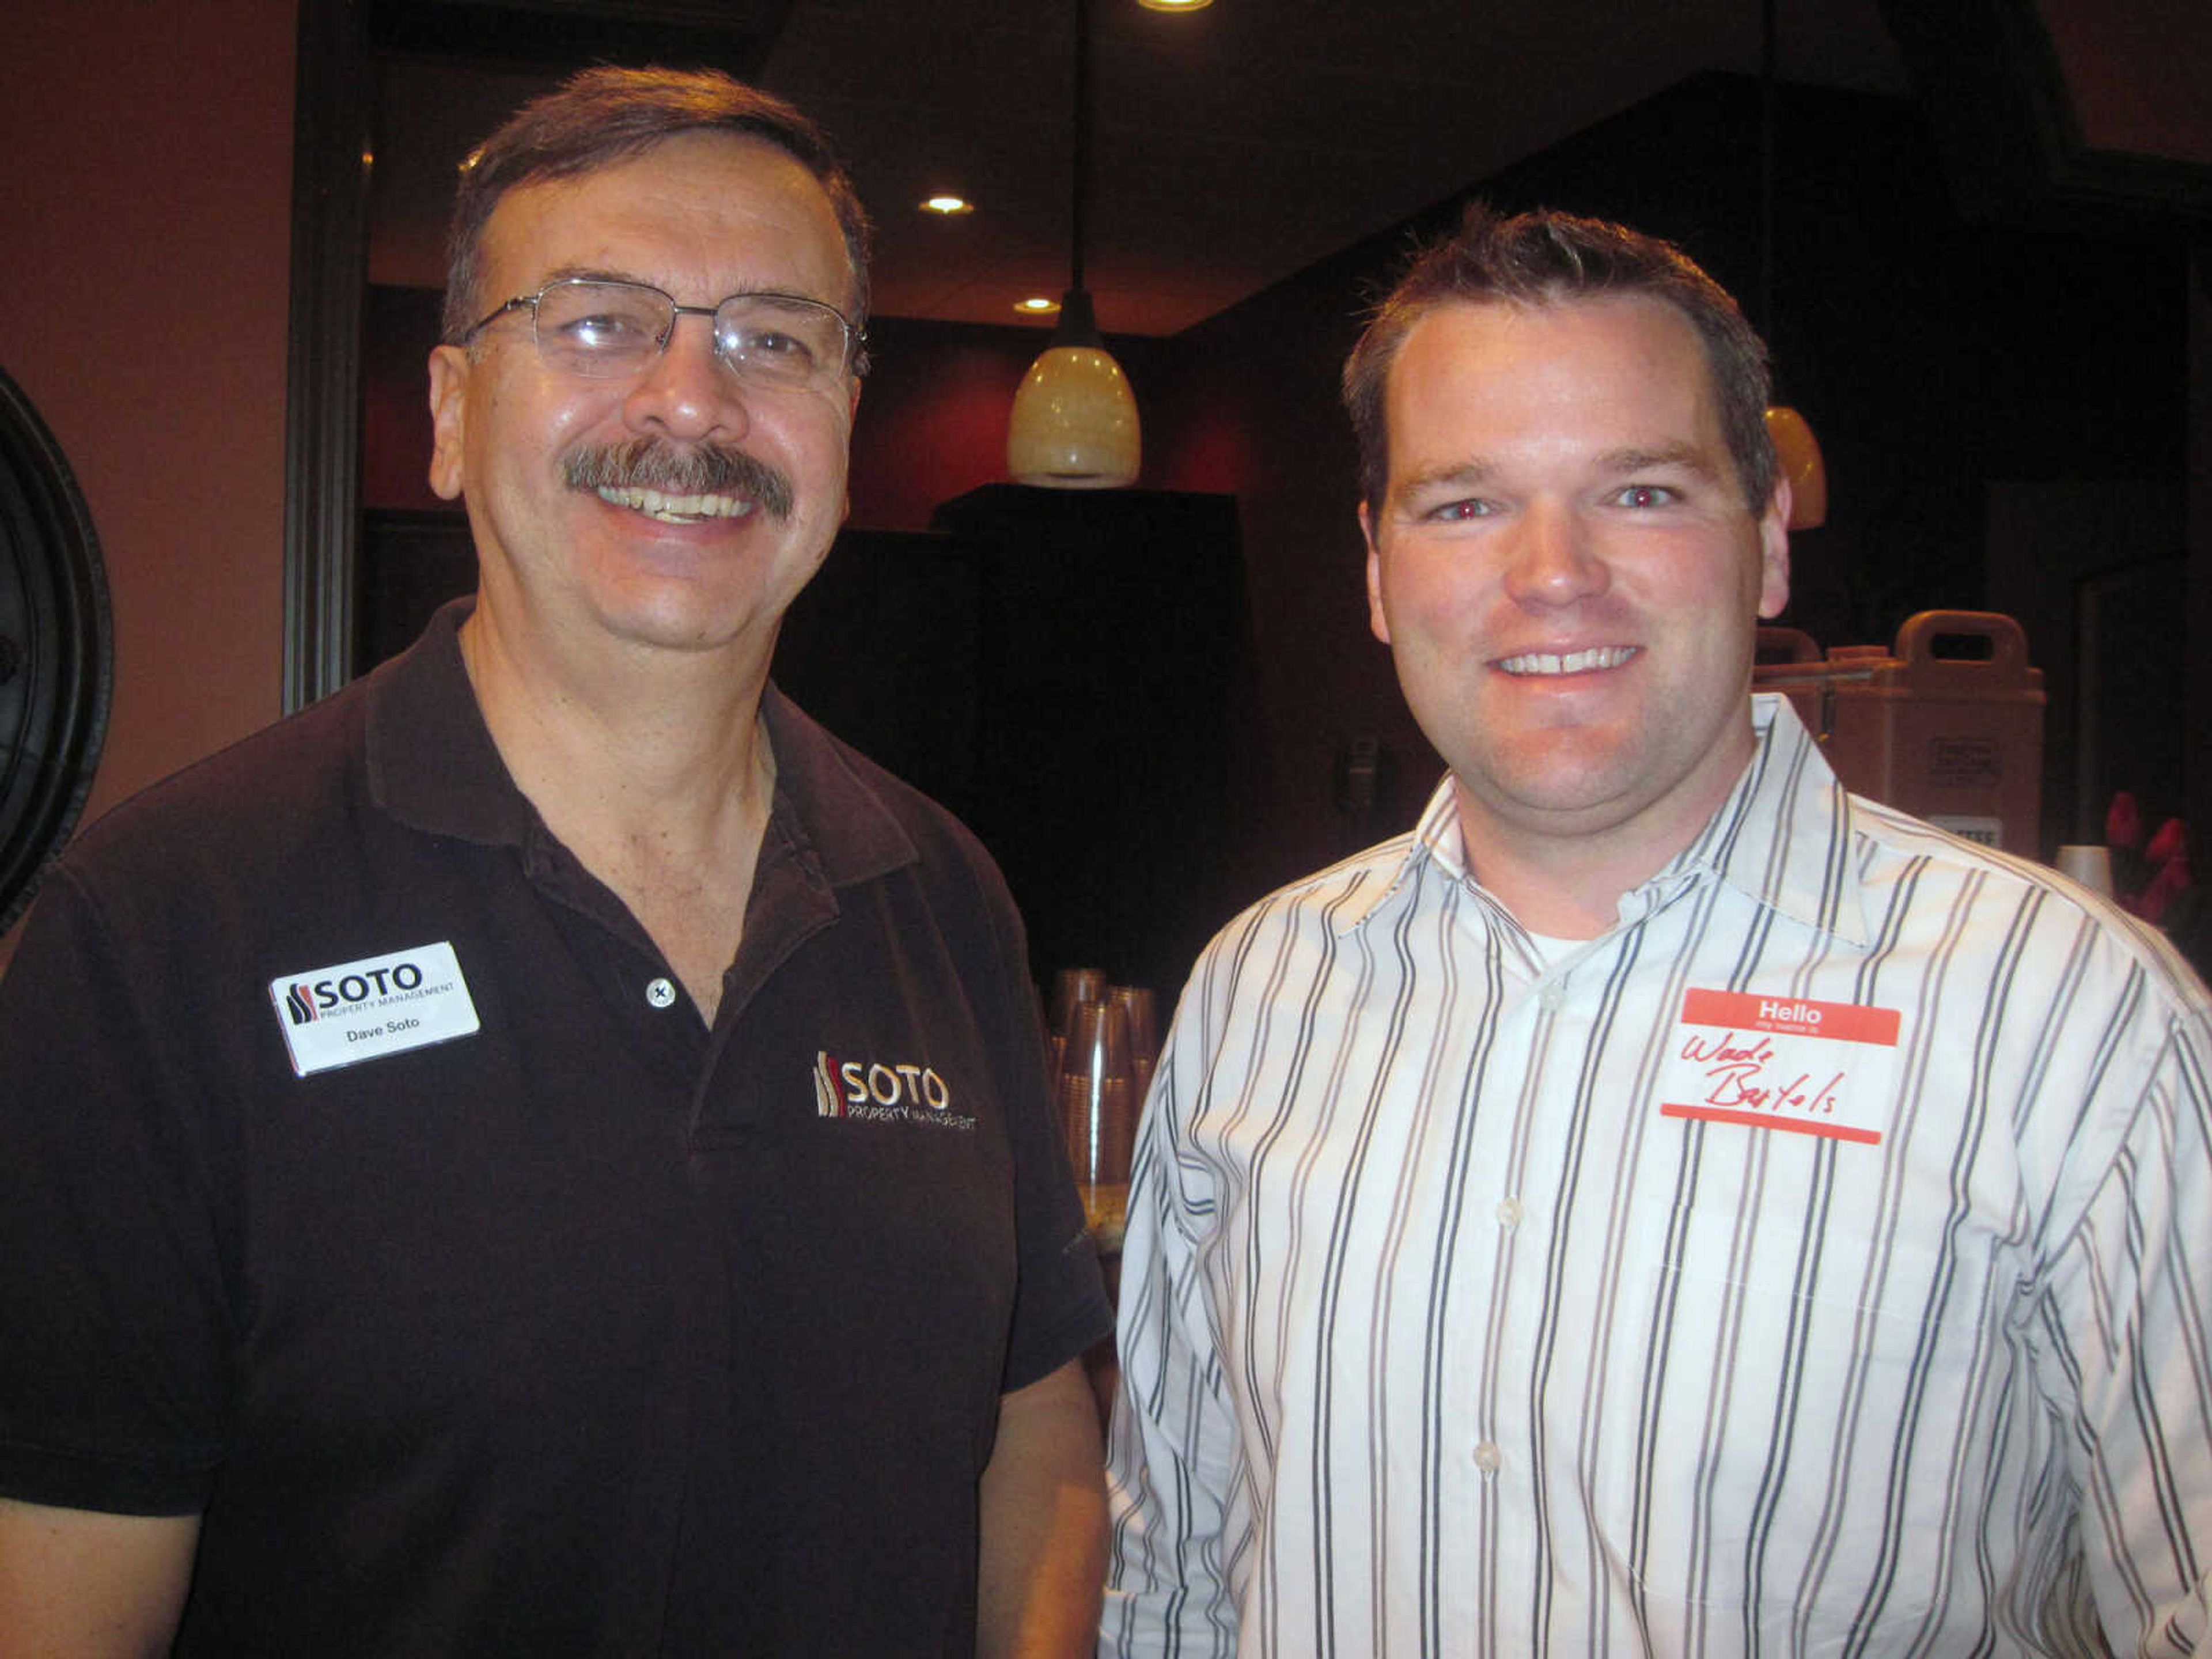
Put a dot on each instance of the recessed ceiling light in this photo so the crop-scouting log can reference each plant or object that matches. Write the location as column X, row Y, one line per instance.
column 1175, row 5
column 1037, row 306
column 949, row 205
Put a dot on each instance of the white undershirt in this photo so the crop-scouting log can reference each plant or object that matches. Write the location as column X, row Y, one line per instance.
column 1554, row 951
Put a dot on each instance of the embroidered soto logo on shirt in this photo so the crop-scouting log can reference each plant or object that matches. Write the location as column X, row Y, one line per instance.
column 1814, row 1068
column 884, row 1092
column 379, row 1006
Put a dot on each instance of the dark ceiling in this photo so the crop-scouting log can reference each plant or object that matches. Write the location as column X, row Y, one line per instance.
column 1235, row 145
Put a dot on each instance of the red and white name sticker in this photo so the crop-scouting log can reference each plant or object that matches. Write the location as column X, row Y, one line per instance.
column 1814, row 1068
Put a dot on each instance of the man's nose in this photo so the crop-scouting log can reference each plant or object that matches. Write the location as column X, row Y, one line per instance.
column 687, row 391
column 1553, row 559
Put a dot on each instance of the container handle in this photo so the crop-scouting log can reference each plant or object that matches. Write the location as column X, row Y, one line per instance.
column 1917, row 641
column 1782, row 646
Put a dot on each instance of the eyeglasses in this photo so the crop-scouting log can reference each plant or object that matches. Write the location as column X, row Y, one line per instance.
column 604, row 330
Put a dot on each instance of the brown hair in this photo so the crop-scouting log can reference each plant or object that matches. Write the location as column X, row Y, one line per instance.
column 1537, row 258
column 601, row 116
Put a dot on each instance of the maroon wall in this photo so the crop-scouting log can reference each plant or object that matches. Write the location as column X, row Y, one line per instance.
column 147, row 218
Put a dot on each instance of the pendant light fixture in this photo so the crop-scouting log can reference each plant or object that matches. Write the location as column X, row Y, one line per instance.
column 1075, row 423
column 1796, row 451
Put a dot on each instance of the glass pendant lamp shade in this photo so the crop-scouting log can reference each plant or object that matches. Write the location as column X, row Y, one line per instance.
column 1797, row 453
column 1075, row 423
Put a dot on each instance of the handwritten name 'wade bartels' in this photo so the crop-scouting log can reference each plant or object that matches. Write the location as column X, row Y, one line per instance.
column 1731, row 1068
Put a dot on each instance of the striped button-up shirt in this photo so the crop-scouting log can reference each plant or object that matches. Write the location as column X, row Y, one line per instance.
column 1819, row 1262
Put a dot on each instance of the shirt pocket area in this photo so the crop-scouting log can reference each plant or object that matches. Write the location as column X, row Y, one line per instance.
column 1780, row 1443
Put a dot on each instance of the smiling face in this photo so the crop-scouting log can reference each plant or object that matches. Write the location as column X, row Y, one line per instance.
column 1566, row 572
column 602, row 508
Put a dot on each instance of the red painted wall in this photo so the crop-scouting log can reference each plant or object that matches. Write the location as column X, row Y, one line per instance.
column 146, row 212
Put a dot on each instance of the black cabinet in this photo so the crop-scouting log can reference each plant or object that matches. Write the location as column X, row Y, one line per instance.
column 1067, row 671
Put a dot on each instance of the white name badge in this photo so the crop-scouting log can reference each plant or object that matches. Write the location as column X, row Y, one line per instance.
column 379, row 1006
column 1813, row 1068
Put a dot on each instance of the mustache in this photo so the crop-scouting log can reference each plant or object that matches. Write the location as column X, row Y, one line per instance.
column 693, row 470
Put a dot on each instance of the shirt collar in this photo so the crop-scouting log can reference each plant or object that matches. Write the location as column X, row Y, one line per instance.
column 1783, row 835
column 432, row 764
column 831, row 812
column 1432, row 851
column 1783, row 838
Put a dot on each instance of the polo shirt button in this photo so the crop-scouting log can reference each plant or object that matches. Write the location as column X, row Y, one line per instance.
column 661, row 994
column 1509, row 1213
column 1486, row 1457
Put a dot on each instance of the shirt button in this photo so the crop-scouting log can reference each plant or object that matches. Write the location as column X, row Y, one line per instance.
column 1508, row 1212
column 1486, row 1457
column 661, row 994
column 1552, row 997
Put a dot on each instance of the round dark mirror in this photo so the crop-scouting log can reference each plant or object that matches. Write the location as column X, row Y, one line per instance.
column 54, row 648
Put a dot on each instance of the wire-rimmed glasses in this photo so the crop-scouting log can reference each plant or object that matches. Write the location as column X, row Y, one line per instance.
column 604, row 329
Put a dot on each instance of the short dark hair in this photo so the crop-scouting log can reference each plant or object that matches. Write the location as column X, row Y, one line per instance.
column 598, row 117
column 1539, row 258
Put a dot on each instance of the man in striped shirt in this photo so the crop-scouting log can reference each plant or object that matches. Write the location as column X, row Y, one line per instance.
column 1662, row 1204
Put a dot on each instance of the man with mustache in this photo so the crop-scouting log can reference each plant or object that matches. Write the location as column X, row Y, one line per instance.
column 546, row 1152
column 1661, row 1204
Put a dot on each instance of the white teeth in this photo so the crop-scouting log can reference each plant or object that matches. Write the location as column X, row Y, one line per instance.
column 678, row 509
column 1574, row 662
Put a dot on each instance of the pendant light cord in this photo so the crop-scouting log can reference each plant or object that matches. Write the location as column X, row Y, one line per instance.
column 1080, row 192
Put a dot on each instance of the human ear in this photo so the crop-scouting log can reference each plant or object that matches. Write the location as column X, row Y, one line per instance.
column 450, row 369
column 1774, row 551
column 1377, row 622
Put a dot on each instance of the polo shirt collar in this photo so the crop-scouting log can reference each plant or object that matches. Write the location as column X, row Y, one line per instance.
column 432, row 765
column 831, row 814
